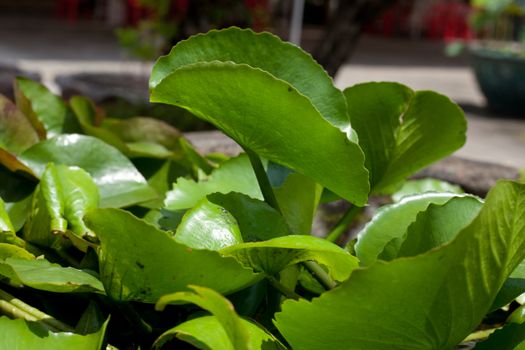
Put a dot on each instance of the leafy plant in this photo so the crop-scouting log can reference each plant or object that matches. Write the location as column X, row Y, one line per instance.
column 120, row 232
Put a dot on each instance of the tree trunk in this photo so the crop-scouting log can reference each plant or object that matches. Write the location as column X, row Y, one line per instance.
column 344, row 30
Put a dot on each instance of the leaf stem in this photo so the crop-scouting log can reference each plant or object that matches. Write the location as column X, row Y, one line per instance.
column 18, row 309
column 262, row 179
column 287, row 292
column 343, row 223
column 320, row 274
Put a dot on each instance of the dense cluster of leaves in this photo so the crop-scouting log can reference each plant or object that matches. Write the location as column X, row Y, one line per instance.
column 218, row 252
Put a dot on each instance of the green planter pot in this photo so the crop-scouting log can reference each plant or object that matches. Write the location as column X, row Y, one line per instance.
column 501, row 77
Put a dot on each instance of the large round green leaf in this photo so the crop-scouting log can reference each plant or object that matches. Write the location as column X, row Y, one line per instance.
column 119, row 182
column 262, row 114
column 267, row 52
column 402, row 131
column 140, row 262
column 431, row 301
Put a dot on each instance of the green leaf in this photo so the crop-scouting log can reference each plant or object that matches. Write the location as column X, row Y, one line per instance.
column 208, row 333
column 208, row 226
column 7, row 231
column 18, row 211
column 264, row 51
column 16, row 133
column 43, row 275
column 275, row 255
column 234, row 175
column 435, row 226
column 257, row 220
column 224, row 330
column 391, row 222
column 91, row 320
column 514, row 286
column 119, row 182
column 140, row 262
column 12, row 251
column 5, row 221
column 434, row 300
column 60, row 202
column 145, row 137
column 298, row 198
column 229, row 96
column 510, row 337
column 47, row 112
column 402, row 131
column 85, row 111
column 20, row 334
column 420, row 186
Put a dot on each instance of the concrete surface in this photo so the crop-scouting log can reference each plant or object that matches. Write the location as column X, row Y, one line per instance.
column 53, row 48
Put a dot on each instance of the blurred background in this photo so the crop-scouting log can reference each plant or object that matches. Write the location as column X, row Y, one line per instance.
column 470, row 50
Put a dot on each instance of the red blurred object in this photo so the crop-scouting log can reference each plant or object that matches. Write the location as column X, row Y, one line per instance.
column 259, row 13
column 72, row 10
column 448, row 20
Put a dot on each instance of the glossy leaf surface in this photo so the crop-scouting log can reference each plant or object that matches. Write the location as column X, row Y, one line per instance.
column 208, row 226
column 140, row 262
column 60, row 202
column 275, row 255
column 428, row 306
column 229, row 96
column 19, row 334
column 119, row 182
column 257, row 220
column 402, row 131
column 264, row 51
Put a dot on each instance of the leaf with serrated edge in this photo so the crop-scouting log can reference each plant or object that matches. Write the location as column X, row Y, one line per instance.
column 229, row 96
column 431, row 301
column 264, row 51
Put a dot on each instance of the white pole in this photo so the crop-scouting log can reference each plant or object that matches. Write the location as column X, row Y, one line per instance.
column 296, row 24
